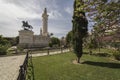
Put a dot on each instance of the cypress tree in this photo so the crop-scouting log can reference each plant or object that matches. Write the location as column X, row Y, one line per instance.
column 79, row 29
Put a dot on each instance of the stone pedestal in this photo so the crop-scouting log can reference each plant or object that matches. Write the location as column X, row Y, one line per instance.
column 25, row 38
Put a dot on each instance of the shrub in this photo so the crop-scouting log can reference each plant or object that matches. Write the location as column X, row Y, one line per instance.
column 3, row 49
column 20, row 49
column 103, row 54
column 50, row 45
column 4, row 45
column 116, row 54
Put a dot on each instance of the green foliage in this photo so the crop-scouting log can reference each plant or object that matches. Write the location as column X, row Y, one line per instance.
column 3, row 41
column 116, row 54
column 101, row 54
column 30, row 70
column 106, row 12
column 93, row 44
column 96, row 38
column 54, row 42
column 20, row 48
column 4, row 45
column 50, row 45
column 90, row 42
column 79, row 27
column 69, row 38
column 115, row 45
column 3, row 49
column 17, row 40
column 13, row 41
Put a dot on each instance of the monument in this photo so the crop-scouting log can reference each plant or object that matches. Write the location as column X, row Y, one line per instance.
column 27, row 39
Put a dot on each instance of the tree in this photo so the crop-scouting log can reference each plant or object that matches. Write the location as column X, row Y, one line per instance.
column 104, row 13
column 17, row 40
column 13, row 40
column 54, row 42
column 4, row 45
column 97, row 34
column 92, row 43
column 3, row 41
column 79, row 29
column 69, row 39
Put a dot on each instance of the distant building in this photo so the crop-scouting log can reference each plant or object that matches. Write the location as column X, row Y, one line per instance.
column 27, row 39
column 112, row 34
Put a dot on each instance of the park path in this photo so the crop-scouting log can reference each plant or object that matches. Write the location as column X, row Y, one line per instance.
column 10, row 65
column 51, row 53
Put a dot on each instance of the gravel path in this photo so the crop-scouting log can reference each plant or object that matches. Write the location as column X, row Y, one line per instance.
column 9, row 67
column 51, row 53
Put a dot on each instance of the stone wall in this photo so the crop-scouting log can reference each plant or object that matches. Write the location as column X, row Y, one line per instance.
column 26, row 36
column 27, row 39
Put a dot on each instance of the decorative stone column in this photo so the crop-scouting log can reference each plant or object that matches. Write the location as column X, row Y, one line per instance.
column 45, row 23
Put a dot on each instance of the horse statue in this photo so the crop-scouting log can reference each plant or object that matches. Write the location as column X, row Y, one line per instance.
column 26, row 26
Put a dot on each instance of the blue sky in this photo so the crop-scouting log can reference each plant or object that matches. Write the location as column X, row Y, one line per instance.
column 12, row 12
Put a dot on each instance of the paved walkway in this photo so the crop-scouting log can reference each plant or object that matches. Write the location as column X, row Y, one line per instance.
column 51, row 53
column 9, row 66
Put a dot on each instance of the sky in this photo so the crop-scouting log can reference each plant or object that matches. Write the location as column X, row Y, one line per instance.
column 13, row 12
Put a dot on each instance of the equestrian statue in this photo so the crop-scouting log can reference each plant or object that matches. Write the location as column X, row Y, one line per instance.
column 26, row 26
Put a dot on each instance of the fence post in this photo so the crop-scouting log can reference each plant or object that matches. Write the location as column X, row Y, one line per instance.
column 48, row 51
column 61, row 50
column 22, row 76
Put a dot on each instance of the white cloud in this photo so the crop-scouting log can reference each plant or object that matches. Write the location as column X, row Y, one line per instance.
column 69, row 10
column 12, row 12
column 55, row 15
column 11, row 16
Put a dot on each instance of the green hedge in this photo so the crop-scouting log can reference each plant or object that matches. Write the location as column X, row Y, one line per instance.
column 3, row 49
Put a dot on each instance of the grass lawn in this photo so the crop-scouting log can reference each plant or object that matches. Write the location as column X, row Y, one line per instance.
column 60, row 67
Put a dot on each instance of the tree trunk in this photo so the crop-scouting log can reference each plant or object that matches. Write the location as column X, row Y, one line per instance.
column 90, row 51
column 99, row 45
column 78, row 59
column 80, row 51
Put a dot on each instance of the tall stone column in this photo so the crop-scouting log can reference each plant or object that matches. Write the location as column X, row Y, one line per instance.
column 45, row 23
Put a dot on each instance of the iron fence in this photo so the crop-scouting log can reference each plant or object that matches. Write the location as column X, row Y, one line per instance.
column 23, row 68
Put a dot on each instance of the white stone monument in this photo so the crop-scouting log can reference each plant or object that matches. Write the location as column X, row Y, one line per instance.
column 27, row 39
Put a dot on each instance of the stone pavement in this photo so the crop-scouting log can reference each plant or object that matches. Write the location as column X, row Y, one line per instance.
column 9, row 67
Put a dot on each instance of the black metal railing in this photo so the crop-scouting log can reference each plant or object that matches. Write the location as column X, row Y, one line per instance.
column 23, row 68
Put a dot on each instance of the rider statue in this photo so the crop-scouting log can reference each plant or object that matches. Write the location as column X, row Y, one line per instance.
column 26, row 26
